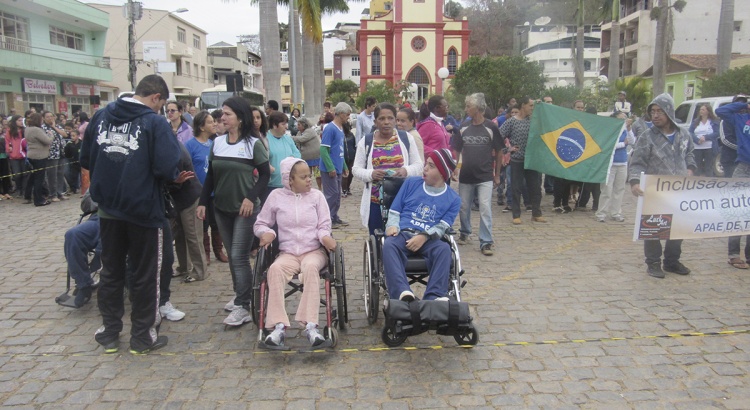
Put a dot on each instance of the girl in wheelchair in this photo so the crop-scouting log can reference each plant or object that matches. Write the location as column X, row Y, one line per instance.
column 304, row 230
column 423, row 210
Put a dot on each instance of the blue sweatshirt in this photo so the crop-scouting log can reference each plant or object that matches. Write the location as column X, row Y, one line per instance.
column 130, row 152
column 733, row 115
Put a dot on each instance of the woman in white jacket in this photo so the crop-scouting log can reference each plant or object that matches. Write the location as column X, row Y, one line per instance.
column 386, row 152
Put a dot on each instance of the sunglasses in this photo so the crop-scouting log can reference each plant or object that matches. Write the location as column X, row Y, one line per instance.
column 173, row 111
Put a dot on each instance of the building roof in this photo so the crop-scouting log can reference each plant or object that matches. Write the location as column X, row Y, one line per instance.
column 680, row 63
column 222, row 44
column 346, row 52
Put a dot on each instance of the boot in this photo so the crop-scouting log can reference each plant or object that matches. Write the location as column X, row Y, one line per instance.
column 217, row 244
column 207, row 247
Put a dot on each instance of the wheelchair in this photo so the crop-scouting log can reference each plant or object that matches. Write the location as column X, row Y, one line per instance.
column 67, row 298
column 398, row 327
column 334, row 299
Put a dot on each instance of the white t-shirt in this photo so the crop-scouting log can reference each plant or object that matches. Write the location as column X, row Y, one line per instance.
column 704, row 129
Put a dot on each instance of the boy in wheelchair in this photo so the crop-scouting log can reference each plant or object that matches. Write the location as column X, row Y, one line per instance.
column 304, row 230
column 422, row 211
column 80, row 241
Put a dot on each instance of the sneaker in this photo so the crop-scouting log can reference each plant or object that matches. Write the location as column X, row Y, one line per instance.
column 407, row 296
column 342, row 223
column 171, row 313
column 111, row 347
column 506, row 209
column 277, row 336
column 463, row 239
column 313, row 335
column 618, row 218
column 528, row 209
column 676, row 267
column 335, row 225
column 343, row 194
column 567, row 209
column 239, row 316
column 83, row 296
column 442, row 299
column 540, row 219
column 654, row 269
column 558, row 209
column 500, row 202
column 487, row 249
column 601, row 219
column 230, row 306
column 517, row 221
column 55, row 200
column 160, row 342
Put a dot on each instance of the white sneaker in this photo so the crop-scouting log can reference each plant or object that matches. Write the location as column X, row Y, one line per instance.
column 238, row 316
column 169, row 312
column 276, row 338
column 313, row 335
column 442, row 299
column 230, row 306
column 407, row 296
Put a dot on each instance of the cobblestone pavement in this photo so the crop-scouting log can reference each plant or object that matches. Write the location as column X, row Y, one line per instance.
column 597, row 327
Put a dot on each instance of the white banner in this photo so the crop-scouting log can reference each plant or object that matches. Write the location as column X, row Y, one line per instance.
column 681, row 207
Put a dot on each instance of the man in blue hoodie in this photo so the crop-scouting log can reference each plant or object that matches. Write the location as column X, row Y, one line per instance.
column 130, row 152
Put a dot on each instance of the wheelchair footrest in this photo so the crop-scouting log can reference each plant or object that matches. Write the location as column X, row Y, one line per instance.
column 413, row 318
column 263, row 345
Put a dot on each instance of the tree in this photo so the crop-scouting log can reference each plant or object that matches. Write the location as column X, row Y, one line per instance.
column 611, row 9
column 499, row 78
column 342, row 91
column 383, row 91
column 664, row 36
column 724, row 44
column 579, row 45
column 453, row 9
column 269, row 47
column 728, row 83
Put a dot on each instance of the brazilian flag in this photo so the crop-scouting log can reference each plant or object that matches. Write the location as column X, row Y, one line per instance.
column 571, row 144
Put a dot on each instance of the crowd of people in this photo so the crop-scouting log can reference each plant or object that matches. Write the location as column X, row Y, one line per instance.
column 241, row 177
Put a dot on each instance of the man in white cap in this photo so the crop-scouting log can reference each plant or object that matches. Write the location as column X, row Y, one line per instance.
column 621, row 105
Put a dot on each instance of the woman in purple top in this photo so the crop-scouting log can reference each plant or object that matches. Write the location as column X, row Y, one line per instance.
column 180, row 127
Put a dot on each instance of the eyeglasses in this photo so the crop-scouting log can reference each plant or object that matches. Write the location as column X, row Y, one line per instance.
column 173, row 111
column 658, row 113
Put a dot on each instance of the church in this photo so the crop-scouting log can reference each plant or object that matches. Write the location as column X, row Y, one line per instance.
column 411, row 40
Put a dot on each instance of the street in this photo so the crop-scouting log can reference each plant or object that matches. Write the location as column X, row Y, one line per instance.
column 567, row 318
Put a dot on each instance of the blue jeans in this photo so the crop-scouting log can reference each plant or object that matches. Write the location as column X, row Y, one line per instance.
column 237, row 234
column 484, row 192
column 332, row 191
column 79, row 241
column 509, row 190
column 437, row 254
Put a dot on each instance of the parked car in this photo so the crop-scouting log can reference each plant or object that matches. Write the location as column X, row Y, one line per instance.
column 687, row 112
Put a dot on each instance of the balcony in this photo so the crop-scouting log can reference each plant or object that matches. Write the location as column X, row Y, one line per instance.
column 14, row 44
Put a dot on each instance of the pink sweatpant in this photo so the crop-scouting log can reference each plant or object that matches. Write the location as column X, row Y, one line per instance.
column 282, row 270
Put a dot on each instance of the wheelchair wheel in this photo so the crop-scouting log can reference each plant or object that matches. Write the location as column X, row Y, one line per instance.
column 332, row 334
column 259, row 276
column 371, row 286
column 391, row 339
column 467, row 337
column 339, row 275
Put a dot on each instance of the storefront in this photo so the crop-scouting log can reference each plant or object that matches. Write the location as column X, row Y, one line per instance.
column 38, row 94
column 81, row 97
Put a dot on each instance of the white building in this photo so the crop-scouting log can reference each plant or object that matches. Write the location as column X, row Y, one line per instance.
column 184, row 43
column 695, row 32
column 552, row 45
column 346, row 65
column 227, row 59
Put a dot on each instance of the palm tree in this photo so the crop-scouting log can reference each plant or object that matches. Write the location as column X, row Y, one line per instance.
column 270, row 49
column 662, row 14
column 611, row 8
column 579, row 46
column 726, row 24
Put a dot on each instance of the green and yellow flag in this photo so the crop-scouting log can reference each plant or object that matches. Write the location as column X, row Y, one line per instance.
column 571, row 144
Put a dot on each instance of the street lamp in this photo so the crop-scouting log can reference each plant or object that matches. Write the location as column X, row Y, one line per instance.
column 443, row 73
column 134, row 11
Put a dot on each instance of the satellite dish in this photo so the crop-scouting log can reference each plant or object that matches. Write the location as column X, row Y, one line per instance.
column 541, row 21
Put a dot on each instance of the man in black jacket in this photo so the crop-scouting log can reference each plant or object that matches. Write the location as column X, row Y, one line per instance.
column 131, row 153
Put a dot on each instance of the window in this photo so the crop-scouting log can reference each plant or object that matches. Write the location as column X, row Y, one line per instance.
column 586, row 65
column 287, row 89
column 181, row 35
column 388, row 5
column 681, row 113
column 178, row 65
column 670, row 90
column 196, row 41
column 65, row 38
column 195, row 70
column 203, row 73
column 375, row 56
column 355, row 72
column 47, row 102
column 418, row 43
column 14, row 32
column 187, row 68
column 738, row 26
column 355, row 58
column 452, row 61
column 419, row 77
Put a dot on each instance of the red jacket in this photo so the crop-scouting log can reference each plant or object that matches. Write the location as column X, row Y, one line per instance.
column 15, row 147
column 434, row 135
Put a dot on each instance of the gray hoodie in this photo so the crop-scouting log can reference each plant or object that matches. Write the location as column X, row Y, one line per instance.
column 653, row 154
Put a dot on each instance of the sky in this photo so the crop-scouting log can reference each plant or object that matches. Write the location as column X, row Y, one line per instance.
column 224, row 20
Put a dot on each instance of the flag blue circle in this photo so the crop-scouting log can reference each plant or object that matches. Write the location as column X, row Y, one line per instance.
column 571, row 144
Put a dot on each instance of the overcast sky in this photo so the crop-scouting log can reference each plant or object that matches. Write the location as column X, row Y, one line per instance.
column 226, row 19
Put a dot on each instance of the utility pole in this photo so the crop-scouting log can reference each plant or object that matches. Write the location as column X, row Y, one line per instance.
column 133, row 12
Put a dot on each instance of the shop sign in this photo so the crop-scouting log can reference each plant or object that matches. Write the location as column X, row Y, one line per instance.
column 79, row 89
column 62, row 106
column 34, row 86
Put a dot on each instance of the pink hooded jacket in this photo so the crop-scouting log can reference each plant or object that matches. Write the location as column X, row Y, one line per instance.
column 303, row 219
column 434, row 135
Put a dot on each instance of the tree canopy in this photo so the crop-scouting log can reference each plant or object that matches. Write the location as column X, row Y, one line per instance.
column 732, row 82
column 382, row 91
column 341, row 91
column 499, row 78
